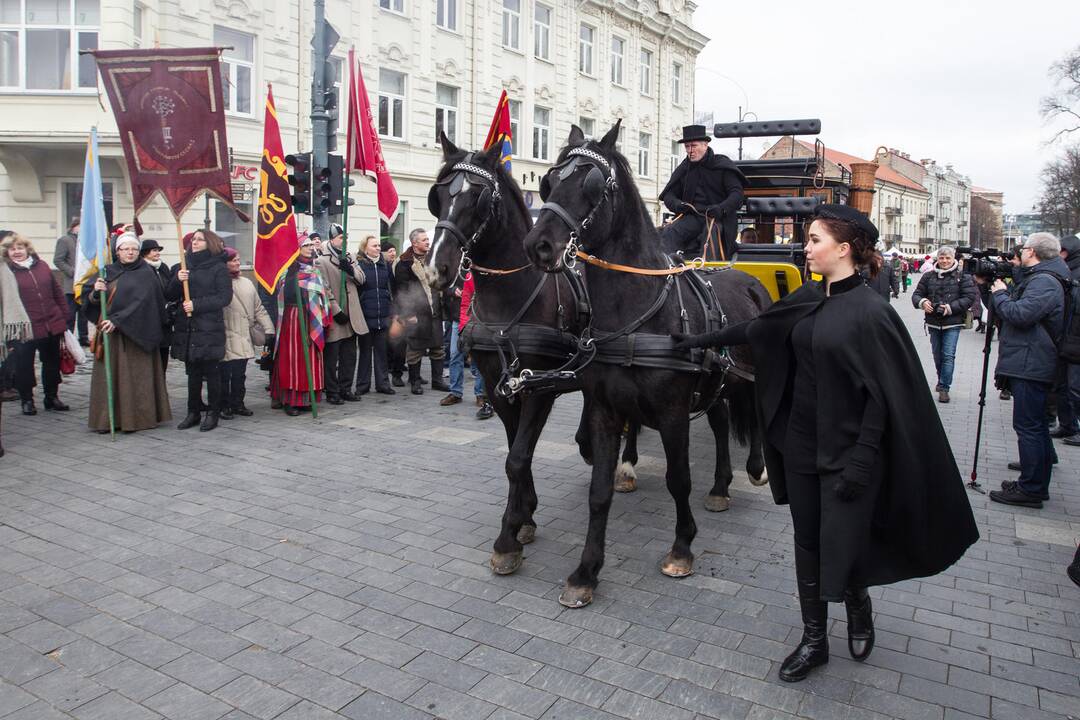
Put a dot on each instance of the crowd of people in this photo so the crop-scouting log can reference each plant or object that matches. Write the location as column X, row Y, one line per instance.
column 336, row 328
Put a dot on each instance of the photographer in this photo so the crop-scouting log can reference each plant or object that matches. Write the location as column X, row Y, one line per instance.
column 1031, row 319
column 944, row 294
column 1067, row 387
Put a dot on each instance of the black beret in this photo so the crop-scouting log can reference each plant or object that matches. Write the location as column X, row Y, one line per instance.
column 848, row 214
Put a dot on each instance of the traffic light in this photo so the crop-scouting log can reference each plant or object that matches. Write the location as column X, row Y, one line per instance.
column 330, row 104
column 338, row 180
column 321, row 189
column 300, row 179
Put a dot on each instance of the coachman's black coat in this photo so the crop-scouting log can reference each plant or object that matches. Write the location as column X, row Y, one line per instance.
column 914, row 519
column 201, row 337
column 713, row 185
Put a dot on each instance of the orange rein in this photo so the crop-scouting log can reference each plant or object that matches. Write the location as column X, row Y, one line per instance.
column 697, row 264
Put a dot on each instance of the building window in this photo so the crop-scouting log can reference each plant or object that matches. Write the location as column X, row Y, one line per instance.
column 446, row 111
column 235, row 232
column 643, row 154
column 395, row 233
column 40, row 42
column 391, row 104
column 237, row 69
column 515, row 122
column 138, row 25
column 397, row 6
column 72, row 202
column 541, row 133
column 542, row 32
column 511, row 24
column 676, row 84
column 646, row 72
column 585, row 50
column 618, row 52
column 446, row 14
column 588, row 127
column 676, row 154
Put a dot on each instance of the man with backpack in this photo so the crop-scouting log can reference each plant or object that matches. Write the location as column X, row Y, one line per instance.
column 1032, row 319
column 1067, row 387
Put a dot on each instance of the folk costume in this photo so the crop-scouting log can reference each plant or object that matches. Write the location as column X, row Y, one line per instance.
column 339, row 355
column 136, row 306
column 288, row 379
column 705, row 196
column 857, row 452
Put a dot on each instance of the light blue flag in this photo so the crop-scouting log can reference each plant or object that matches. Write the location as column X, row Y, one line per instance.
column 92, row 248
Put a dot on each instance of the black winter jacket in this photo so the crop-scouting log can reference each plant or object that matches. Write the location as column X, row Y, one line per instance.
column 885, row 284
column 201, row 337
column 954, row 288
column 377, row 292
column 714, row 186
column 1031, row 315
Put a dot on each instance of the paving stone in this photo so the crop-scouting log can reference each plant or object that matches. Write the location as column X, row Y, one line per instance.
column 384, row 679
column 13, row 698
column 256, row 697
column 64, row 689
column 181, row 702
column 331, row 659
column 373, row 706
column 704, row 702
column 200, row 672
column 505, row 693
column 134, row 680
column 113, row 706
column 321, row 688
column 437, row 641
column 500, row 662
column 450, row 704
column 630, row 705
column 445, row 672
column 150, row 650
column 586, row 691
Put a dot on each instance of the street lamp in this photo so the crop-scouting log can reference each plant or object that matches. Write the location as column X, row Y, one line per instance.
column 746, row 98
column 743, row 116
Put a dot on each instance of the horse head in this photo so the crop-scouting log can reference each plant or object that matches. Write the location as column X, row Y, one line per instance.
column 466, row 200
column 585, row 197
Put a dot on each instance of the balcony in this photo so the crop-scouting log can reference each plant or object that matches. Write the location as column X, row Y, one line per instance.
column 892, row 211
column 961, row 223
column 962, row 204
column 892, row 239
column 944, row 220
column 929, row 217
column 944, row 200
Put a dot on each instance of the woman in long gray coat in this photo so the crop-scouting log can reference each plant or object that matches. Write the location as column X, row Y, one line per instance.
column 247, row 324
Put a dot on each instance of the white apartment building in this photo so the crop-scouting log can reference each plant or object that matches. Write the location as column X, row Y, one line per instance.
column 950, row 204
column 428, row 65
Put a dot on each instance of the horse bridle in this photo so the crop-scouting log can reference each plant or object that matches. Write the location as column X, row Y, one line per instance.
column 487, row 204
column 600, row 185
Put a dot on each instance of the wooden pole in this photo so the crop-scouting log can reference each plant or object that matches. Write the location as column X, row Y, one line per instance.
column 305, row 343
column 183, row 259
column 108, row 361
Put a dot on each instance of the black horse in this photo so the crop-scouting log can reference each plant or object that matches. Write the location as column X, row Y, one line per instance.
column 639, row 300
column 519, row 316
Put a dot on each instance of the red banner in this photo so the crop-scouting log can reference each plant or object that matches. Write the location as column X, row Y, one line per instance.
column 501, row 131
column 169, row 108
column 364, row 151
column 276, row 246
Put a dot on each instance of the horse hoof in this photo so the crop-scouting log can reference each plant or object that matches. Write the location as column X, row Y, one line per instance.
column 762, row 480
column 625, row 478
column 575, row 597
column 717, row 503
column 506, row 563
column 526, row 534
column 677, row 567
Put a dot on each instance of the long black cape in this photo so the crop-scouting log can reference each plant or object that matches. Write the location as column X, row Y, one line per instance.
column 915, row 519
column 136, row 303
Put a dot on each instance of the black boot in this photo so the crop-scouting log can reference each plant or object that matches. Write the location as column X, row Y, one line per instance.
column 414, row 380
column 210, row 421
column 813, row 649
column 1074, row 569
column 191, row 420
column 53, row 403
column 28, row 407
column 437, row 382
column 860, row 623
column 396, row 381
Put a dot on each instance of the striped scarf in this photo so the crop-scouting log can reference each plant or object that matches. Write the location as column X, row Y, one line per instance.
column 14, row 322
column 318, row 310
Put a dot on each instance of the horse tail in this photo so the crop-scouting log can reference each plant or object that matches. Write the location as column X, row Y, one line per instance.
column 741, row 411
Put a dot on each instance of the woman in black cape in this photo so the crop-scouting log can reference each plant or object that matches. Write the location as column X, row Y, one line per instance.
column 861, row 459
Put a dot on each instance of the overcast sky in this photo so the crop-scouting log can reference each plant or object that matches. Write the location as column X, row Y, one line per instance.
column 954, row 80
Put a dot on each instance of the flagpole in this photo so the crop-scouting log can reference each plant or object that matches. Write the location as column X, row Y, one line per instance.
column 183, row 261
column 305, row 343
column 343, row 299
column 108, row 361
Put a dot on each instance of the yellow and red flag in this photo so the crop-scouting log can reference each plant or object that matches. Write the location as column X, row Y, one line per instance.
column 501, row 130
column 277, row 245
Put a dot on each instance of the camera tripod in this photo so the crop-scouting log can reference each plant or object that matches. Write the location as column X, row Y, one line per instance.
column 973, row 483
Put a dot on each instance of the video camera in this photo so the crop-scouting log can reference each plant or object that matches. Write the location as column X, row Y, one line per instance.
column 991, row 263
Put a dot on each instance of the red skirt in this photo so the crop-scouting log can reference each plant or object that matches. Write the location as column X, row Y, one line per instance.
column 289, row 380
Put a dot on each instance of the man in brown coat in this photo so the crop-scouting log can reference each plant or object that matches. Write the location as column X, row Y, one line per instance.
column 339, row 356
column 419, row 306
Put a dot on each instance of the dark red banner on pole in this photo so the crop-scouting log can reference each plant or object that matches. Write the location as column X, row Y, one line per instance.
column 169, row 108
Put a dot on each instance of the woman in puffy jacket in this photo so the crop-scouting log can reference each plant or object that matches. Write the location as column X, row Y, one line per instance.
column 376, row 295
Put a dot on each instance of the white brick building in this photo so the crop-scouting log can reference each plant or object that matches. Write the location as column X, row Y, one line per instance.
column 427, row 64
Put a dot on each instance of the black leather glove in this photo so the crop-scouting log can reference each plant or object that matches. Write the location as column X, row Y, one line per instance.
column 347, row 266
column 715, row 212
column 855, row 477
column 687, row 209
column 685, row 342
column 341, row 318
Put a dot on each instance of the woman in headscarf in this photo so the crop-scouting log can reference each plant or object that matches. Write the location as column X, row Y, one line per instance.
column 300, row 291
column 246, row 324
column 151, row 253
column 45, row 304
column 134, row 320
column 199, row 334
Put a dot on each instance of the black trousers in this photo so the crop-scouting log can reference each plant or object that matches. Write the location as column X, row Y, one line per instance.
column 686, row 234
column 76, row 316
column 207, row 371
column 804, row 500
column 339, row 365
column 48, row 349
column 233, row 382
column 373, row 349
column 395, row 355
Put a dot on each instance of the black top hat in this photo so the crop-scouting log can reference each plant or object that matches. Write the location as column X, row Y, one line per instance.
column 690, row 133
column 149, row 245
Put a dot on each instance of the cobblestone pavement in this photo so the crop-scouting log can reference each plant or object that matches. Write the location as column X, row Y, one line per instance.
column 297, row 569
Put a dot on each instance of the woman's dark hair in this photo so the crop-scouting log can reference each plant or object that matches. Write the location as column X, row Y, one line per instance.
column 214, row 243
column 862, row 248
